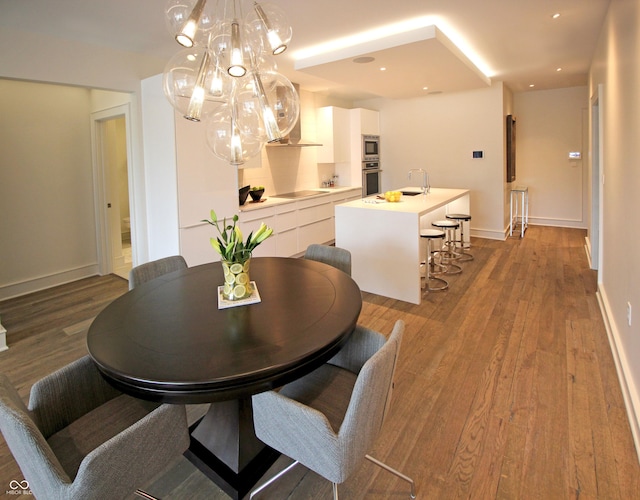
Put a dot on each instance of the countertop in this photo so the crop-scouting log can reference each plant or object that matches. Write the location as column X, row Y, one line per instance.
column 270, row 201
column 418, row 204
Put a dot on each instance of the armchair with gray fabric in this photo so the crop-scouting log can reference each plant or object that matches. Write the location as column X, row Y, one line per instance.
column 329, row 419
column 337, row 257
column 145, row 272
column 82, row 439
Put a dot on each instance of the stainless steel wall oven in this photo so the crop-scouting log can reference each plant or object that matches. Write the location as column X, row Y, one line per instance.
column 371, row 178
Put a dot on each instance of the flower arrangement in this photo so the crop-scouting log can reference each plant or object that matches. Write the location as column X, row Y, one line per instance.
column 229, row 244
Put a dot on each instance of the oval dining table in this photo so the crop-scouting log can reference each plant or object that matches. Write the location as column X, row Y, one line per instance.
column 168, row 341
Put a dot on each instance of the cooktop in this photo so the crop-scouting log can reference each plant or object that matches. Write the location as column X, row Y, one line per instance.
column 299, row 194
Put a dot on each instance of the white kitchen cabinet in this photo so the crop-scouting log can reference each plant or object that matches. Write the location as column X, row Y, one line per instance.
column 183, row 184
column 315, row 222
column 250, row 222
column 365, row 121
column 204, row 182
column 287, row 243
column 333, row 129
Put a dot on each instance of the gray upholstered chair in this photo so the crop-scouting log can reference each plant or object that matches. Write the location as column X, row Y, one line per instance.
column 334, row 256
column 329, row 419
column 82, row 439
column 145, row 272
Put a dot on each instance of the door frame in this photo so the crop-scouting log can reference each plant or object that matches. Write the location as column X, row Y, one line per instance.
column 597, row 181
column 103, row 245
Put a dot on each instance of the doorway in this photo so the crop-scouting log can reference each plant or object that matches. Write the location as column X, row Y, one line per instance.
column 113, row 214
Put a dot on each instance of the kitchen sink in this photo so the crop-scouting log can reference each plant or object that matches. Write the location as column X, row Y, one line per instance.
column 410, row 193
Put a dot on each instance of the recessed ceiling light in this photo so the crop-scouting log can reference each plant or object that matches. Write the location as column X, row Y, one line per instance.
column 425, row 88
column 559, row 69
column 364, row 59
column 531, row 85
column 556, row 15
column 383, row 69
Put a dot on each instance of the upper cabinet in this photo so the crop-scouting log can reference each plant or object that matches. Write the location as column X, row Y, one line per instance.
column 333, row 131
column 365, row 121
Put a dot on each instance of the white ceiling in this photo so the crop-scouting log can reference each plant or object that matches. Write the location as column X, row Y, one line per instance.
column 515, row 41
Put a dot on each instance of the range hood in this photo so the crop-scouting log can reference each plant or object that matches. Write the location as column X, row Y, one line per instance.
column 294, row 139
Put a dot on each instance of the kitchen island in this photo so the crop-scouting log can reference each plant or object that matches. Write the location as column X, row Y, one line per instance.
column 384, row 238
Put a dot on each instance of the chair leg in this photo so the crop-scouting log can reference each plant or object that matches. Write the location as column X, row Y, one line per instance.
column 273, row 479
column 395, row 473
column 335, row 491
column 144, row 494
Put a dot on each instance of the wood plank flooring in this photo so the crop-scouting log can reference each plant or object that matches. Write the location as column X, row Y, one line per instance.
column 506, row 387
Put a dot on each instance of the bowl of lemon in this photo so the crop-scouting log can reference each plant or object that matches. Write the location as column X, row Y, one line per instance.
column 393, row 196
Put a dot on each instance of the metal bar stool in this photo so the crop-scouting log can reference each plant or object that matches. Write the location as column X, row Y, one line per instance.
column 461, row 218
column 521, row 192
column 432, row 283
column 448, row 253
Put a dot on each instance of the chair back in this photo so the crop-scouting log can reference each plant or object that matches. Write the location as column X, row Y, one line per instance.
column 30, row 449
column 334, row 256
column 150, row 270
column 371, row 398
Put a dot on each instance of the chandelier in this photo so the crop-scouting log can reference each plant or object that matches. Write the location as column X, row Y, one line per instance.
column 226, row 76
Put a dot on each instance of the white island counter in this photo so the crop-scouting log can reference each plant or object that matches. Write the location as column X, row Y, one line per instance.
column 384, row 238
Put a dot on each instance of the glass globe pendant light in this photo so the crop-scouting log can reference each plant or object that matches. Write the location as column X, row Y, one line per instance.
column 189, row 21
column 228, row 78
column 270, row 21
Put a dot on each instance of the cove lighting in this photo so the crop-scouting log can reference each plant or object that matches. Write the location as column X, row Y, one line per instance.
column 394, row 30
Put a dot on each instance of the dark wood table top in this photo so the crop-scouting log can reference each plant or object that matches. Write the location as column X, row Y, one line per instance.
column 166, row 340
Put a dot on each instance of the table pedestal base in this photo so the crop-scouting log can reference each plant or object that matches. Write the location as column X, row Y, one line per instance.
column 225, row 448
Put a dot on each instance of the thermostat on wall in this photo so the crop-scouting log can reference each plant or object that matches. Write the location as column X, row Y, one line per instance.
column 575, row 155
column 478, row 154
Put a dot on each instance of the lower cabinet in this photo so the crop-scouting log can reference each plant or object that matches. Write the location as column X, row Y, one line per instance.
column 296, row 225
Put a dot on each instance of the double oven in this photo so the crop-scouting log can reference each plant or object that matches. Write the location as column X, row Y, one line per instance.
column 371, row 171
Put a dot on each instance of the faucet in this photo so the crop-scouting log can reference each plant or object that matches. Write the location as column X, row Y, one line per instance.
column 426, row 188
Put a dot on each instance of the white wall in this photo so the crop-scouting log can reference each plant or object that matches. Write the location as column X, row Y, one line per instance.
column 46, row 186
column 159, row 138
column 616, row 65
column 439, row 133
column 548, row 126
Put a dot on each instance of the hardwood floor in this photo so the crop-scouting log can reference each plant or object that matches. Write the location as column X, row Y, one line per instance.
column 506, row 387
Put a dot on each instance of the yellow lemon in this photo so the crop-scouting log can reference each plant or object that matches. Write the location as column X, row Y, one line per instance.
column 230, row 278
column 242, row 279
column 236, row 268
column 239, row 291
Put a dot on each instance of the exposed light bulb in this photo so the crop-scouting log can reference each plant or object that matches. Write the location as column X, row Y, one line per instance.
column 237, row 67
column 187, row 35
column 268, row 118
column 275, row 42
column 194, row 112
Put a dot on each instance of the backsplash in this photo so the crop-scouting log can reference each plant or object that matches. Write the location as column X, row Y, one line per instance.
column 287, row 169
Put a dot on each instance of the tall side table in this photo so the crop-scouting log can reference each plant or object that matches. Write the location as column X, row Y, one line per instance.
column 519, row 209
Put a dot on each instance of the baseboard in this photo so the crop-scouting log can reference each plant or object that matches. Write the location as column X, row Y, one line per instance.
column 629, row 391
column 488, row 234
column 48, row 281
column 3, row 338
column 587, row 249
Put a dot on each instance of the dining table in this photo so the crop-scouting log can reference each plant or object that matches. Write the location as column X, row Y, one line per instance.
column 169, row 341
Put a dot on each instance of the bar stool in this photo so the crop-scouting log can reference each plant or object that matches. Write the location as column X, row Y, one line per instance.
column 521, row 193
column 448, row 253
column 432, row 283
column 461, row 218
